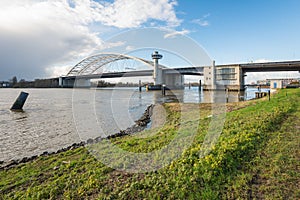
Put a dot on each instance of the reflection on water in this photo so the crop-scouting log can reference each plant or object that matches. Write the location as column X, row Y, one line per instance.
column 20, row 116
column 47, row 122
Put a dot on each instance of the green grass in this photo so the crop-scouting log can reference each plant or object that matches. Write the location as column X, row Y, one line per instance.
column 256, row 157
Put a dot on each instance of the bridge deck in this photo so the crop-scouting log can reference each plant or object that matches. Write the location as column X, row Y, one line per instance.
column 198, row 71
column 183, row 71
column 271, row 66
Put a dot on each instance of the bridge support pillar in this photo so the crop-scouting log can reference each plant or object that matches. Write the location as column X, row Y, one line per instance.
column 82, row 83
column 67, row 82
column 174, row 81
column 223, row 77
column 210, row 77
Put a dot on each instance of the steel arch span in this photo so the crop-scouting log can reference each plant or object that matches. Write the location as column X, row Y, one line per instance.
column 93, row 63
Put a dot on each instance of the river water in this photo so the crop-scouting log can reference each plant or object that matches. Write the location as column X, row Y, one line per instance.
column 47, row 122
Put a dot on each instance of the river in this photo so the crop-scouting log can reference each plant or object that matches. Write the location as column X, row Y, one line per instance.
column 47, row 122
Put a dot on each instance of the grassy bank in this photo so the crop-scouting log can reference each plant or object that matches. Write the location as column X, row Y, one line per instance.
column 257, row 156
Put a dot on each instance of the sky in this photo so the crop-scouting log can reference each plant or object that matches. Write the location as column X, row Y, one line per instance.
column 46, row 38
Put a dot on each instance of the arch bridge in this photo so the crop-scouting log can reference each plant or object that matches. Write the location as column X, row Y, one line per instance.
column 112, row 65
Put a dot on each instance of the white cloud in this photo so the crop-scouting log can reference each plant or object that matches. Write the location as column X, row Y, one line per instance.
column 129, row 48
column 57, row 71
column 39, row 35
column 263, row 60
column 202, row 21
column 114, row 44
column 133, row 13
column 176, row 33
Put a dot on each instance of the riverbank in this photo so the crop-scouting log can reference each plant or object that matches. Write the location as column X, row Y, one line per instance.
column 257, row 156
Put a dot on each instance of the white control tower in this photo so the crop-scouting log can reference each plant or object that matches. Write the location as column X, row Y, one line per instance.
column 157, row 74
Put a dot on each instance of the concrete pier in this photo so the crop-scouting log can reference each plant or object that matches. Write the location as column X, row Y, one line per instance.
column 260, row 94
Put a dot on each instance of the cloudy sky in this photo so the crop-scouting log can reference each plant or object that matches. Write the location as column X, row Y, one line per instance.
column 45, row 38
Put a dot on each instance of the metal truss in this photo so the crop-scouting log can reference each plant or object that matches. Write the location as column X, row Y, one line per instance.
column 93, row 63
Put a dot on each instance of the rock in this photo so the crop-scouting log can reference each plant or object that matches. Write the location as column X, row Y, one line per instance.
column 90, row 141
column 82, row 143
column 11, row 163
column 24, row 160
column 65, row 149
column 45, row 153
column 56, row 167
column 98, row 139
column 59, row 151
column 66, row 162
column 75, row 145
column 33, row 157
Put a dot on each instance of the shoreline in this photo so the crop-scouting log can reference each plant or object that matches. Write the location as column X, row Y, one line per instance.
column 140, row 125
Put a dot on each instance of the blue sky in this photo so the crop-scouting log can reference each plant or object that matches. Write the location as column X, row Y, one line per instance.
column 240, row 31
column 46, row 38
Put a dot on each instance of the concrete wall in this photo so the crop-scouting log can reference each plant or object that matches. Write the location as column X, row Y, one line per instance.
column 208, row 77
column 72, row 82
column 158, row 76
column 66, row 82
column 82, row 83
column 174, row 81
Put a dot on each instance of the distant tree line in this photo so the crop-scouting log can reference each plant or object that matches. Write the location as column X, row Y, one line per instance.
column 103, row 83
column 37, row 83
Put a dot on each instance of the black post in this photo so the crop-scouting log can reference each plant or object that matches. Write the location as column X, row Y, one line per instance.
column 20, row 101
column 163, row 90
column 140, row 86
column 200, row 85
column 189, row 85
column 269, row 93
column 227, row 95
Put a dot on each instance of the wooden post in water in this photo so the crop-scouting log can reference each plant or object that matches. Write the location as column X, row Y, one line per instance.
column 140, row 85
column 189, row 85
column 20, row 101
column 200, row 85
column 163, row 90
column 227, row 95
